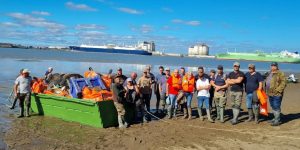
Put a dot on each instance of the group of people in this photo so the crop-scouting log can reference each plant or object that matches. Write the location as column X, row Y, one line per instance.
column 175, row 90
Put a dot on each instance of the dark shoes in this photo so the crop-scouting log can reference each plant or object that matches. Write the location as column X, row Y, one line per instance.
column 21, row 116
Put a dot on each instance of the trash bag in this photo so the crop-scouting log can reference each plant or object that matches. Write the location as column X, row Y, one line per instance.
column 168, row 100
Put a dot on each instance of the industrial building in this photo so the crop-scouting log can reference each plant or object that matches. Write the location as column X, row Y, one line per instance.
column 199, row 50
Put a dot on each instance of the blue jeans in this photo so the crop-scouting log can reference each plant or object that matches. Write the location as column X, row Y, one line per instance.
column 202, row 99
column 249, row 98
column 189, row 98
column 173, row 100
column 275, row 102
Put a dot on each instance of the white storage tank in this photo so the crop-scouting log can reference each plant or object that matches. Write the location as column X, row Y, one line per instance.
column 199, row 49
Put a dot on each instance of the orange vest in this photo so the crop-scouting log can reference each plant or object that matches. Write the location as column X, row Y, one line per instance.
column 38, row 87
column 90, row 74
column 188, row 84
column 176, row 82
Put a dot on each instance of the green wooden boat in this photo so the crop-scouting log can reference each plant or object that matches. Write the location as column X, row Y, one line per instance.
column 97, row 114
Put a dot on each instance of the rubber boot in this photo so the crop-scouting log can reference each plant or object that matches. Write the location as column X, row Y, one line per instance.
column 27, row 111
column 174, row 113
column 250, row 115
column 276, row 118
column 125, row 122
column 190, row 113
column 208, row 116
column 185, row 113
column 169, row 113
column 21, row 112
column 235, row 112
column 218, row 113
column 120, row 121
column 222, row 115
column 256, row 113
column 200, row 114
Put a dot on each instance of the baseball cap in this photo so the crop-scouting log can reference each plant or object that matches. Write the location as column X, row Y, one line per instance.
column 236, row 64
column 274, row 64
column 119, row 69
column 25, row 71
column 220, row 67
column 213, row 71
column 129, row 80
column 251, row 66
column 168, row 69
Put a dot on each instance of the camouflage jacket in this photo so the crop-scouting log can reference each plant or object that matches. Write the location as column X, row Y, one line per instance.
column 277, row 84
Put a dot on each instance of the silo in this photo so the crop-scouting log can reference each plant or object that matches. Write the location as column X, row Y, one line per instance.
column 203, row 49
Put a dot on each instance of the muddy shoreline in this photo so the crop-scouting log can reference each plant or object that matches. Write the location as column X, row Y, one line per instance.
column 39, row 132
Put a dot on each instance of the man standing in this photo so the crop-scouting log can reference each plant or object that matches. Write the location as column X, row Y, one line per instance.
column 121, row 76
column 275, row 86
column 118, row 93
column 202, row 73
column 48, row 75
column 16, row 97
column 23, row 83
column 203, row 87
column 182, row 71
column 158, row 78
column 173, row 88
column 235, row 80
column 162, row 85
column 144, row 85
column 212, row 74
column 253, row 82
column 220, row 87
column 133, row 77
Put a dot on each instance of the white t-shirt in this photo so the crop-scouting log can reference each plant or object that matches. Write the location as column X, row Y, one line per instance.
column 203, row 82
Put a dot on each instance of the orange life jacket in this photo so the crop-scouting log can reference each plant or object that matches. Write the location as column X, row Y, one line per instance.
column 38, row 86
column 90, row 74
column 262, row 96
column 188, row 84
column 176, row 82
column 107, row 81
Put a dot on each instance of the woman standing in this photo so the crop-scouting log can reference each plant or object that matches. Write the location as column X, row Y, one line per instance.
column 188, row 83
column 131, row 97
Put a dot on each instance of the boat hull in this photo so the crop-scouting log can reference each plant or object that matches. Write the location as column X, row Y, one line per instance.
column 257, row 57
column 102, row 50
column 97, row 114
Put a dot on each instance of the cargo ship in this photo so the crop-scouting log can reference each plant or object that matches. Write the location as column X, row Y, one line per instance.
column 283, row 56
column 142, row 48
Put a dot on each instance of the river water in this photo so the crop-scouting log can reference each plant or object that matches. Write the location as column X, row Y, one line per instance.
column 37, row 61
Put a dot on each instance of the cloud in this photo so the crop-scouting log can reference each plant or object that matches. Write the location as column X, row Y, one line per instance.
column 82, row 7
column 32, row 21
column 190, row 23
column 90, row 27
column 9, row 25
column 166, row 28
column 167, row 9
column 42, row 13
column 142, row 29
column 130, row 10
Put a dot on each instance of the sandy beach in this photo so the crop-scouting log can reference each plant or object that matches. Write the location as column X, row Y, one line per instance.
column 39, row 132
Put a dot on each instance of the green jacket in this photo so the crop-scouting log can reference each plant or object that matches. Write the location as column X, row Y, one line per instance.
column 277, row 84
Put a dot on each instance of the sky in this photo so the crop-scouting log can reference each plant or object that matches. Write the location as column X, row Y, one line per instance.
column 174, row 25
